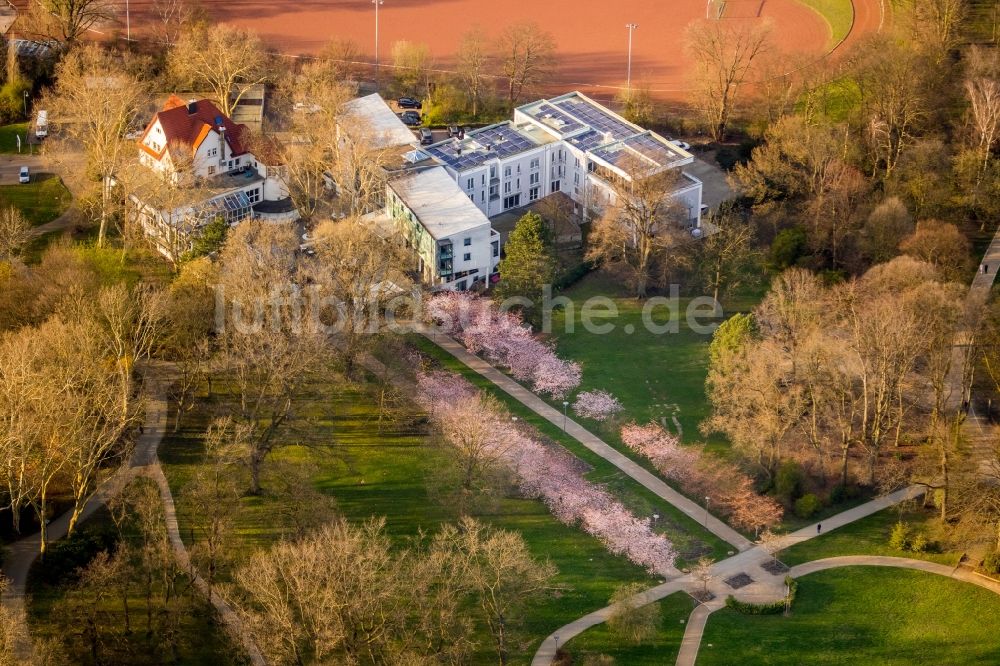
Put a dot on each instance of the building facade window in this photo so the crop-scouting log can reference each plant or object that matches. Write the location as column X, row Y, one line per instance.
column 496, row 248
column 506, row 172
column 506, row 187
column 467, row 256
column 533, row 179
column 555, row 185
column 512, row 201
column 467, row 242
column 471, row 183
column 533, row 194
column 535, row 163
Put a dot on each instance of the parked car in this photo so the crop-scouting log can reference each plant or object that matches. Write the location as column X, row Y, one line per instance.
column 453, row 131
column 683, row 145
column 426, row 136
column 409, row 103
column 411, row 118
column 24, row 176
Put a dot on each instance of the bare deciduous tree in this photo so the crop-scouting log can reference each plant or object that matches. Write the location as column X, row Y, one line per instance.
column 15, row 231
column 474, row 64
column 269, row 348
column 362, row 273
column 724, row 54
column 640, row 231
column 94, row 103
column 230, row 61
column 69, row 20
column 527, row 57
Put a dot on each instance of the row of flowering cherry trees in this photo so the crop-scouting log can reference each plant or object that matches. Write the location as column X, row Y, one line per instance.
column 480, row 430
column 503, row 339
column 703, row 475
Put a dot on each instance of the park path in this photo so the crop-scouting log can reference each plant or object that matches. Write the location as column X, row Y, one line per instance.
column 144, row 461
column 632, row 469
column 765, row 587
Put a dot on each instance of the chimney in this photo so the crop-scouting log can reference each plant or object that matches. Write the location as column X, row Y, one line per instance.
column 222, row 143
column 192, row 107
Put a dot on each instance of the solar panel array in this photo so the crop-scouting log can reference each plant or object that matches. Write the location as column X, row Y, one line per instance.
column 502, row 140
column 556, row 119
column 651, row 148
column 588, row 140
column 597, row 119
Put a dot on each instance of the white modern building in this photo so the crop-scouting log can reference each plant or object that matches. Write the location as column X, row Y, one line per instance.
column 205, row 159
column 567, row 144
column 455, row 246
column 442, row 197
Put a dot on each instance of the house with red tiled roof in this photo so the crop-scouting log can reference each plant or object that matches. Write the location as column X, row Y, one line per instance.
column 194, row 139
column 208, row 163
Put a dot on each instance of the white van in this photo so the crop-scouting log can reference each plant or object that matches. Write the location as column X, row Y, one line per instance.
column 42, row 124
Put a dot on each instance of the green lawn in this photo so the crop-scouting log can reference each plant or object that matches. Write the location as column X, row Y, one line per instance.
column 688, row 536
column 869, row 536
column 838, row 14
column 42, row 200
column 864, row 615
column 8, row 137
column 386, row 475
column 662, row 649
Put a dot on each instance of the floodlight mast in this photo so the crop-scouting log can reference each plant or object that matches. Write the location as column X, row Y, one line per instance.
column 628, row 81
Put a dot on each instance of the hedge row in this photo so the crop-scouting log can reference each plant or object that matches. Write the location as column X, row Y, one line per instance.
column 772, row 608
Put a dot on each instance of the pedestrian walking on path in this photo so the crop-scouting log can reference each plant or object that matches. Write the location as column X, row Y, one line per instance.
column 819, row 527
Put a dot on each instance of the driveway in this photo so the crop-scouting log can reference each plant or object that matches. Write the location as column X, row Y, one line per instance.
column 715, row 188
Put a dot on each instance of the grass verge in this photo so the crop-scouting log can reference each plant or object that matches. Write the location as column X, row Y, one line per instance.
column 42, row 200
column 661, row 649
column 869, row 536
column 864, row 615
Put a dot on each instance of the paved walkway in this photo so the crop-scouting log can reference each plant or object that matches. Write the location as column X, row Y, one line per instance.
column 765, row 587
column 143, row 462
column 693, row 510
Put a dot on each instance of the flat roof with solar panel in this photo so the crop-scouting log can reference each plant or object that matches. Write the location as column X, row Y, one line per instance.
column 588, row 126
column 647, row 147
column 480, row 146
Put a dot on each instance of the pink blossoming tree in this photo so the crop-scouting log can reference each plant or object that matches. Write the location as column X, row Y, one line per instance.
column 598, row 405
column 503, row 340
column 703, row 475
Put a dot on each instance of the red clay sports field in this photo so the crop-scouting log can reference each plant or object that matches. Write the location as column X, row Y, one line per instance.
column 591, row 36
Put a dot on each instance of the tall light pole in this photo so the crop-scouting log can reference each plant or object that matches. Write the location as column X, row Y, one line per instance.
column 128, row 24
column 706, row 511
column 376, row 3
column 628, row 82
column 565, row 409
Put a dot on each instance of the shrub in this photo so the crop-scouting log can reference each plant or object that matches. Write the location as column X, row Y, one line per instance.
column 991, row 563
column 770, row 608
column 807, row 505
column 788, row 481
column 920, row 544
column 788, row 247
column 900, row 537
